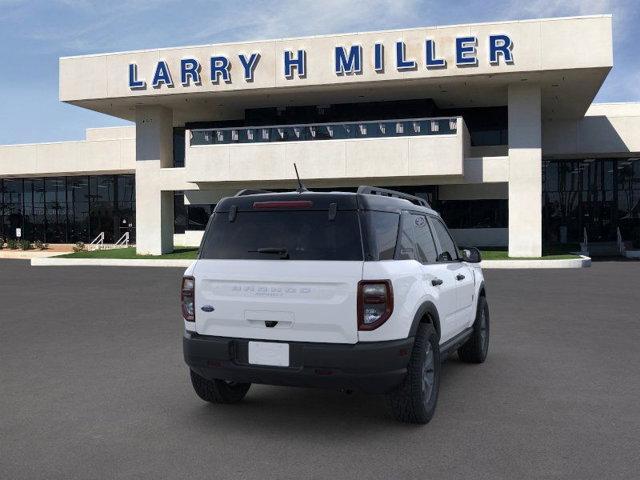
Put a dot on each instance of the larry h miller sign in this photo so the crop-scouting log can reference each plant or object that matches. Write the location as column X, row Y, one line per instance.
column 345, row 60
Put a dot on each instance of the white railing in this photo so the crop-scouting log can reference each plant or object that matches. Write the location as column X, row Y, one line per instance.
column 123, row 241
column 97, row 243
column 584, row 245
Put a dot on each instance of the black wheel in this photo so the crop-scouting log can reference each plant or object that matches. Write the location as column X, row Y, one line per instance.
column 218, row 391
column 415, row 400
column 476, row 347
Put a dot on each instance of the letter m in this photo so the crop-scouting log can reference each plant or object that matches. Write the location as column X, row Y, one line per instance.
column 351, row 63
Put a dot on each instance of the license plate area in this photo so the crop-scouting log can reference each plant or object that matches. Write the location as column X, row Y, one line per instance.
column 268, row 353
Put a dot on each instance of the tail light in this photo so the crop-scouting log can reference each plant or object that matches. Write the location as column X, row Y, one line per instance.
column 284, row 204
column 375, row 303
column 187, row 299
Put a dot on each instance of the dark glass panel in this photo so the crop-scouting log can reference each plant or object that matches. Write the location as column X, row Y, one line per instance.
column 198, row 216
column 126, row 189
column 77, row 189
column 38, row 223
column 102, row 220
column 178, row 147
column 491, row 213
column 179, row 213
column 13, row 190
column 102, row 188
column 13, row 194
column 78, row 215
column 56, row 223
column 55, row 190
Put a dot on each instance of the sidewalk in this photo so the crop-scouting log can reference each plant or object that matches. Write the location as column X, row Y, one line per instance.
column 52, row 251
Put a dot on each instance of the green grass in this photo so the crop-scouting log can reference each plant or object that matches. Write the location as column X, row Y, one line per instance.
column 504, row 255
column 552, row 252
column 130, row 253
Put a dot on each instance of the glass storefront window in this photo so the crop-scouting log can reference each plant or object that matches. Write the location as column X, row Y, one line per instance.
column 126, row 189
column 596, row 195
column 68, row 209
column 77, row 189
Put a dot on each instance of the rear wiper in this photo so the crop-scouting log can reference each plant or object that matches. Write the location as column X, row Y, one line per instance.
column 283, row 252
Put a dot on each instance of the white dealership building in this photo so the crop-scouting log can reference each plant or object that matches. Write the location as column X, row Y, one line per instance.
column 493, row 123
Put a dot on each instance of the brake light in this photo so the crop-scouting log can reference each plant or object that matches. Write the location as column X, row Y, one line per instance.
column 284, row 204
column 187, row 298
column 375, row 303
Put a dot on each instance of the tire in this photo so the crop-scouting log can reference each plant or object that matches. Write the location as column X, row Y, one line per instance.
column 218, row 391
column 476, row 347
column 415, row 399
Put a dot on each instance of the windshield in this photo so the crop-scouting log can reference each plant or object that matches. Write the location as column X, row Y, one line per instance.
column 283, row 235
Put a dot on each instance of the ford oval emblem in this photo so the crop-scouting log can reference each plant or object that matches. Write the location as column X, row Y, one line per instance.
column 207, row 308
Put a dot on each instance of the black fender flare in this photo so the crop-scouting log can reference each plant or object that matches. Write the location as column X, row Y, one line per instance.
column 481, row 290
column 427, row 308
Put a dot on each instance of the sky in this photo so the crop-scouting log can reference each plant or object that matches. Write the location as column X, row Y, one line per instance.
column 35, row 33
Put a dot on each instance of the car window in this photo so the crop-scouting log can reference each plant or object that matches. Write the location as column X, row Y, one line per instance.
column 292, row 234
column 448, row 250
column 406, row 240
column 382, row 234
column 425, row 246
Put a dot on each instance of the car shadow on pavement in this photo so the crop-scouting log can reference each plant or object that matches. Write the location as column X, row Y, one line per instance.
column 308, row 411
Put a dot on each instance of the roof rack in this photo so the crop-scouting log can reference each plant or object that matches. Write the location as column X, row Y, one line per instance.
column 367, row 190
column 250, row 191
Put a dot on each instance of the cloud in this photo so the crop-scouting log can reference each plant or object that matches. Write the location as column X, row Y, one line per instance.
column 91, row 26
column 296, row 18
column 555, row 8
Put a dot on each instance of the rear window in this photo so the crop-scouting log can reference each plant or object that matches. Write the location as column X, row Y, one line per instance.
column 274, row 235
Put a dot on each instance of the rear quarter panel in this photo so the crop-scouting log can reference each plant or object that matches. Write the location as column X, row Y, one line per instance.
column 409, row 293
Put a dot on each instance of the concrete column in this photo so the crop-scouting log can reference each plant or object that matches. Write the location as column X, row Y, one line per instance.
column 525, row 171
column 154, row 207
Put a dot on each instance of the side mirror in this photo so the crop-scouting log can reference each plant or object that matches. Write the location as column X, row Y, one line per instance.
column 444, row 257
column 471, row 255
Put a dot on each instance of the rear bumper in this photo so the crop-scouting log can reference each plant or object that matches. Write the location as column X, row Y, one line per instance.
column 373, row 367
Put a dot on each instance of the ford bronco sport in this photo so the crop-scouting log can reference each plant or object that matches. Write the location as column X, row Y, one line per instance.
column 358, row 291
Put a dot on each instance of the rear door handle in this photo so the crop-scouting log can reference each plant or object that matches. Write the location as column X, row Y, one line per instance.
column 459, row 277
column 436, row 281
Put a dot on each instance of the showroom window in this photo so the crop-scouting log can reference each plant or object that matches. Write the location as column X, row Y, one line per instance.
column 190, row 217
column 68, row 209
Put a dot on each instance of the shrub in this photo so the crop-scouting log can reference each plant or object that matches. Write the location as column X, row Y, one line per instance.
column 79, row 247
column 1, row 243
column 12, row 244
column 40, row 245
column 25, row 245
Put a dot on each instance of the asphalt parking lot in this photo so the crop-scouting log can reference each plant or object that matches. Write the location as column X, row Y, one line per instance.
column 92, row 385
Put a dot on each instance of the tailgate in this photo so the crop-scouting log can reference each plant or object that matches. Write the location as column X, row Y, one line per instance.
column 302, row 301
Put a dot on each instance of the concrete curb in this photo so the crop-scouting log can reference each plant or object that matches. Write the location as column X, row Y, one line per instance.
column 582, row 262
column 108, row 262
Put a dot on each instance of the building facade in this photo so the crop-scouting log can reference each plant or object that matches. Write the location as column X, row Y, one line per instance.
column 492, row 123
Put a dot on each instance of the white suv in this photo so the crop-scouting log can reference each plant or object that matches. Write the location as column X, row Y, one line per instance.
column 356, row 291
